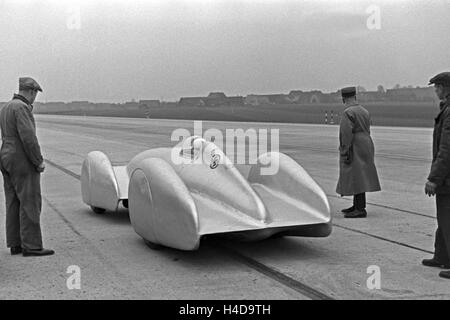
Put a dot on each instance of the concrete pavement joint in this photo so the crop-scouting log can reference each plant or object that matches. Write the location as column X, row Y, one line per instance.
column 387, row 207
column 68, row 223
column 276, row 275
column 382, row 238
column 94, row 249
column 378, row 154
column 61, row 168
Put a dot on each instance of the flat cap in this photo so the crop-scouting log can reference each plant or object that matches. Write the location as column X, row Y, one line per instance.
column 348, row 92
column 441, row 78
column 29, row 83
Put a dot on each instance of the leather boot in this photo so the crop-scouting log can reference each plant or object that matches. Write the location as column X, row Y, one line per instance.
column 16, row 250
column 434, row 263
column 348, row 210
column 37, row 252
column 356, row 214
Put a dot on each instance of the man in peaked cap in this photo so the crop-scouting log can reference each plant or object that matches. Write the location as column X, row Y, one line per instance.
column 27, row 83
column 439, row 178
column 357, row 171
column 21, row 163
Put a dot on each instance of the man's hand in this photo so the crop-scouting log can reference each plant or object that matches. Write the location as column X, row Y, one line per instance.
column 41, row 167
column 430, row 188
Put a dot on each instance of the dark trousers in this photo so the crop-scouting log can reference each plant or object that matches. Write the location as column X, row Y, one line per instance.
column 442, row 240
column 359, row 201
column 23, row 209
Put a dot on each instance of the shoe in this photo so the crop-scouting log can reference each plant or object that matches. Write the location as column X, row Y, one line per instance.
column 444, row 274
column 348, row 210
column 356, row 214
column 37, row 252
column 16, row 250
column 435, row 263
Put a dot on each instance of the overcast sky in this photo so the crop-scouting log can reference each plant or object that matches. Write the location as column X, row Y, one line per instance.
column 119, row 50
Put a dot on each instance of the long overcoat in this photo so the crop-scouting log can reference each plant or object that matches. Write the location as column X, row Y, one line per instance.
column 20, row 156
column 440, row 168
column 357, row 171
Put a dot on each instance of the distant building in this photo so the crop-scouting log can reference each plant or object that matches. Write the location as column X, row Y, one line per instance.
column 169, row 104
column 256, row 100
column 307, row 97
column 51, row 106
column 279, row 98
column 79, row 102
column 130, row 105
column 236, row 101
column 411, row 94
column 79, row 105
column 105, row 106
column 217, row 95
column 219, row 99
column 53, row 103
column 150, row 103
column 333, row 97
column 192, row 101
column 214, row 99
column 366, row 96
column 295, row 96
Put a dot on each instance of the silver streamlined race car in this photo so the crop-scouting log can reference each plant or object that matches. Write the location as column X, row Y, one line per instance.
column 177, row 195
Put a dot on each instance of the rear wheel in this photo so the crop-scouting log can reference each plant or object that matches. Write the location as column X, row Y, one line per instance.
column 152, row 245
column 98, row 210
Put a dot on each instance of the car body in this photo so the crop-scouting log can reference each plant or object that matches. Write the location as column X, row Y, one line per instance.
column 178, row 195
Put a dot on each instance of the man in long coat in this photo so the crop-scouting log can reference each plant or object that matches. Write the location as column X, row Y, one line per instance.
column 357, row 171
column 439, row 178
column 21, row 164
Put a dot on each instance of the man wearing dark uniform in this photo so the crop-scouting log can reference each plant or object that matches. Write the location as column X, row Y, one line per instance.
column 439, row 178
column 21, row 164
column 357, row 171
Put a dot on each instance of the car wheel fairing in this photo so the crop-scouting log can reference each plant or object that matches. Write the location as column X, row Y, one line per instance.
column 152, row 245
column 98, row 182
column 162, row 210
column 291, row 187
column 98, row 210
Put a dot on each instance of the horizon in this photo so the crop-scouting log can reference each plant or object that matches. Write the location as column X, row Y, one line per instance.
column 136, row 100
column 165, row 50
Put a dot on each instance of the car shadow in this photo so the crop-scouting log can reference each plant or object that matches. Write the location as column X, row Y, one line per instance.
column 121, row 216
column 284, row 249
column 221, row 252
